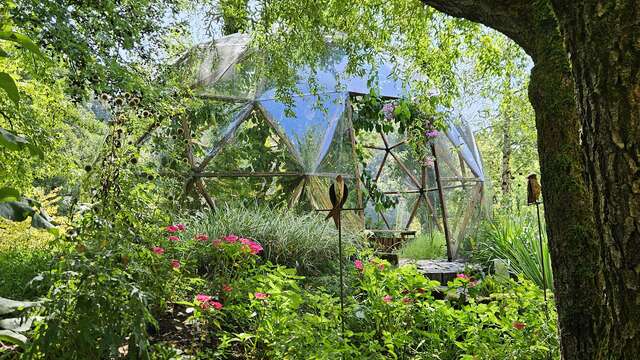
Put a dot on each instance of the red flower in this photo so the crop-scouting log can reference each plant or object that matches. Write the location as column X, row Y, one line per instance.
column 519, row 325
column 227, row 288
column 407, row 300
column 158, row 250
column 261, row 296
column 231, row 238
column 358, row 264
column 202, row 237
column 216, row 305
column 381, row 266
column 180, row 227
column 387, row 298
column 174, row 238
column 172, row 228
column 175, row 264
column 217, row 242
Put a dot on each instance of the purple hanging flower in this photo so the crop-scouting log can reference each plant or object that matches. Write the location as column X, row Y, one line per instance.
column 432, row 133
column 387, row 110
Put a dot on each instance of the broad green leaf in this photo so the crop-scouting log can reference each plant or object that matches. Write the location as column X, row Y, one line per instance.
column 11, row 141
column 40, row 220
column 22, row 40
column 9, row 194
column 14, row 142
column 8, row 306
column 12, row 337
column 17, row 324
column 9, row 85
column 16, row 210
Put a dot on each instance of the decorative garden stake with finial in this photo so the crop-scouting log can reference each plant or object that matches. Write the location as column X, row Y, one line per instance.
column 338, row 193
column 533, row 198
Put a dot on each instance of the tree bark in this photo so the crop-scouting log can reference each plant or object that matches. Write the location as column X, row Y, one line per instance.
column 575, row 251
column 603, row 41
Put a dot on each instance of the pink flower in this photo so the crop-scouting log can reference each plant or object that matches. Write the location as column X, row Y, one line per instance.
column 174, row 238
column 255, row 248
column 462, row 276
column 381, row 266
column 227, row 288
column 519, row 325
column 202, row 298
column 158, row 250
column 358, row 265
column 387, row 298
column 261, row 296
column 231, row 239
column 432, row 133
column 217, row 242
column 180, row 227
column 202, row 237
column 251, row 246
column 175, row 264
column 216, row 305
column 172, row 228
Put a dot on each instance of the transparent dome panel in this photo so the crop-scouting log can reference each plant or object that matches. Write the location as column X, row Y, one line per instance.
column 309, row 125
column 211, row 122
column 255, row 147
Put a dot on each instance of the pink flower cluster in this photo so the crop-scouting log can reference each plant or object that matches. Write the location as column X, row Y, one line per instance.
column 207, row 301
column 175, row 228
column 246, row 244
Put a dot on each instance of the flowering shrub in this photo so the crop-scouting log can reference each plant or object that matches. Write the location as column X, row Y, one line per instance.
column 263, row 312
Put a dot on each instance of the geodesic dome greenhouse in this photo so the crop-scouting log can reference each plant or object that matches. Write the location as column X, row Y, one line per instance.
column 290, row 152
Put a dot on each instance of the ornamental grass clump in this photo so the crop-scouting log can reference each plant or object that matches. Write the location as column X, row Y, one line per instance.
column 304, row 241
column 514, row 239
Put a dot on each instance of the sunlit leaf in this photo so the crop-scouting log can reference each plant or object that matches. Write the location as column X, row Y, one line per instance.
column 9, row 194
column 22, row 40
column 9, row 85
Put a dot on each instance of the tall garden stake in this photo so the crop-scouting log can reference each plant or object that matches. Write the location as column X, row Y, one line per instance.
column 533, row 198
column 338, row 193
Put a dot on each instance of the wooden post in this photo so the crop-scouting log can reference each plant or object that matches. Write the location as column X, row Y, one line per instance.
column 445, row 221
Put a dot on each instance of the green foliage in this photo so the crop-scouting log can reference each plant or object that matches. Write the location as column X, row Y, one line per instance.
column 425, row 246
column 304, row 241
column 514, row 239
column 390, row 313
column 20, row 269
column 97, row 306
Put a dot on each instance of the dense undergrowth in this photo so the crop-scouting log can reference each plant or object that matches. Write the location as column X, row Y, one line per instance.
column 191, row 294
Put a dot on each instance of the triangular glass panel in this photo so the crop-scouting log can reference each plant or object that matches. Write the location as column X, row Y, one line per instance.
column 340, row 158
column 250, row 191
column 309, row 125
column 210, row 122
column 255, row 149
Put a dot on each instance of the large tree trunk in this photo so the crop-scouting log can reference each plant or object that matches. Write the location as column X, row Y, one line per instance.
column 603, row 40
column 575, row 250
